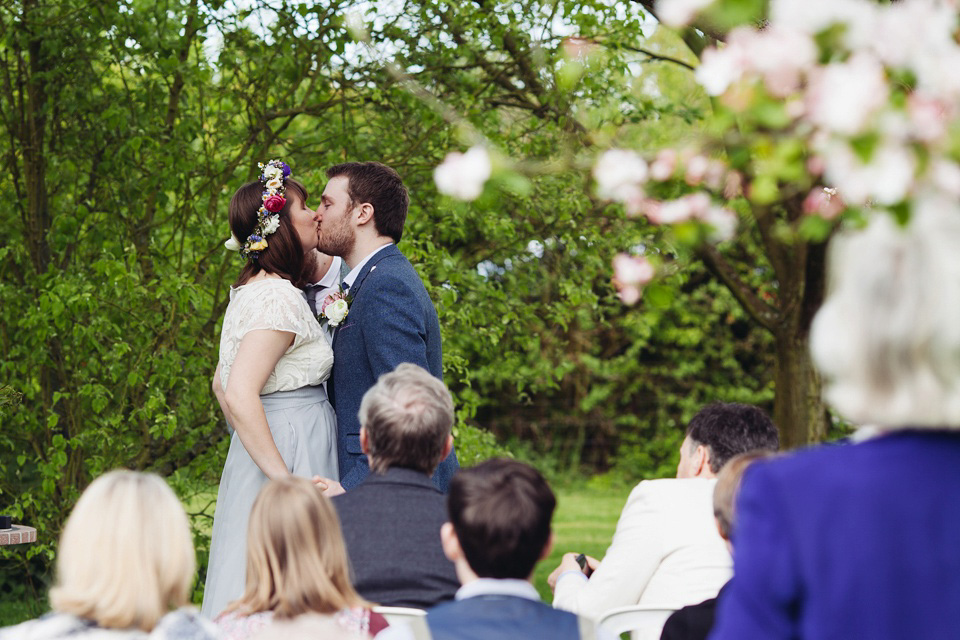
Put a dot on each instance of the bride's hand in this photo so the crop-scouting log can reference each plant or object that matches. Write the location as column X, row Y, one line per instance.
column 328, row 487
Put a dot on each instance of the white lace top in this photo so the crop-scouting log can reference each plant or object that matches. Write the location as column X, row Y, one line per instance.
column 276, row 304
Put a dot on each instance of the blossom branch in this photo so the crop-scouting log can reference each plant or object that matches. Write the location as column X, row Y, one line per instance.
column 765, row 315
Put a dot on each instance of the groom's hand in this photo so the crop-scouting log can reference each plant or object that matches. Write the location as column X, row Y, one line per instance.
column 328, row 487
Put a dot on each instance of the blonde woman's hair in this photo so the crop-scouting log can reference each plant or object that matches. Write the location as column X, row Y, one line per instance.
column 126, row 554
column 296, row 558
column 887, row 339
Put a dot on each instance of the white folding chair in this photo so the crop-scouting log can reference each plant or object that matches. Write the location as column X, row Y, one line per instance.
column 642, row 622
column 415, row 619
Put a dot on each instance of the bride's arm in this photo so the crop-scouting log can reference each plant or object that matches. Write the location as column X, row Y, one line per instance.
column 221, row 398
column 258, row 355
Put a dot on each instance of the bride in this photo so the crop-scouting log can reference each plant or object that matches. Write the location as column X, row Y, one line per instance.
column 274, row 355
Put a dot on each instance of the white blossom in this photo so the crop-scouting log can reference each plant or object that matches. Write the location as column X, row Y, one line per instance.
column 719, row 68
column 723, row 221
column 619, row 174
column 679, row 13
column 886, row 178
column 463, row 175
column 843, row 96
column 271, row 224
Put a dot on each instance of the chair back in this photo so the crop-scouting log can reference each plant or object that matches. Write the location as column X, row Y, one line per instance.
column 641, row 621
column 414, row 619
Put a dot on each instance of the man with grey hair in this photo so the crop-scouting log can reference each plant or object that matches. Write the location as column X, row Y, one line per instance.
column 391, row 521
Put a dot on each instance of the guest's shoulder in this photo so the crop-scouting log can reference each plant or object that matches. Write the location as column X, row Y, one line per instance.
column 51, row 626
column 671, row 489
column 185, row 624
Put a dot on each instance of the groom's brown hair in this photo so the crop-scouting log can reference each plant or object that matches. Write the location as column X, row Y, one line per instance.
column 379, row 185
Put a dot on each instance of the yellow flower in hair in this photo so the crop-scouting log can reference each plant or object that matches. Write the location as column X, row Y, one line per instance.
column 258, row 246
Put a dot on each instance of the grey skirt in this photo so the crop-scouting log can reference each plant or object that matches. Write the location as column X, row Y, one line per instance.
column 304, row 426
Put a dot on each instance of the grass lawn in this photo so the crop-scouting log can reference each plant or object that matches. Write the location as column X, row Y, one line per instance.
column 585, row 520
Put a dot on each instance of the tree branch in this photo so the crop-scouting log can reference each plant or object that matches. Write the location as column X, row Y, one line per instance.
column 765, row 315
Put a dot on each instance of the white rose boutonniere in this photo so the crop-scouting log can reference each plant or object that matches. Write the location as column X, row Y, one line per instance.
column 335, row 308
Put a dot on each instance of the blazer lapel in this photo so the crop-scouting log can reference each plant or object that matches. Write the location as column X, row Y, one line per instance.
column 389, row 250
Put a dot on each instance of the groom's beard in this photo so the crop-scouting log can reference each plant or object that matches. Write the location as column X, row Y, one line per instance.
column 339, row 241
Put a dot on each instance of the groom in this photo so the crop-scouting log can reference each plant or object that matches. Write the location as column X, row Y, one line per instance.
column 390, row 320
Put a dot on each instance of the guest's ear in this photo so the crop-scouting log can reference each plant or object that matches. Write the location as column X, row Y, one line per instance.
column 365, row 441
column 701, row 462
column 447, row 448
column 450, row 543
column 547, row 548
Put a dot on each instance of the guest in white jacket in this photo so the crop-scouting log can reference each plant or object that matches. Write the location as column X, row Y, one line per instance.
column 666, row 552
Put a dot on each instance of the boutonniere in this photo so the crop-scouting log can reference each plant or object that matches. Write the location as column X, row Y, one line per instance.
column 335, row 308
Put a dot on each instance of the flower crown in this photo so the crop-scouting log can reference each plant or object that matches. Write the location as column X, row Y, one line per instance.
column 272, row 175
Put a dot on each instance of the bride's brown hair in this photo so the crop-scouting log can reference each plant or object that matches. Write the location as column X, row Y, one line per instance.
column 284, row 253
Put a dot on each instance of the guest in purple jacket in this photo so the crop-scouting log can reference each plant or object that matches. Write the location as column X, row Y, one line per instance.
column 860, row 540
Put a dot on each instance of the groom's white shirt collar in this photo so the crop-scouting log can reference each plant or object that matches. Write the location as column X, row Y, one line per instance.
column 356, row 270
column 332, row 276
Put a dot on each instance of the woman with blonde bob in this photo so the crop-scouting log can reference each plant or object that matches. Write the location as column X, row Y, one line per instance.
column 124, row 567
column 860, row 540
column 296, row 565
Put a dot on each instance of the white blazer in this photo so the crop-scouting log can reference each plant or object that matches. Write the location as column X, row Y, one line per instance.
column 666, row 553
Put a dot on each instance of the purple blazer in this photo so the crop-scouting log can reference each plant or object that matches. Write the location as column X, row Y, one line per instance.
column 851, row 541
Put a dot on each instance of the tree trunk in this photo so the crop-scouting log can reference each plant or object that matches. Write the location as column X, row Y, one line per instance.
column 798, row 408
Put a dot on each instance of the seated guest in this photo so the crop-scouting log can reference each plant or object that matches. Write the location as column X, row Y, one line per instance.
column 309, row 626
column 296, row 565
column 860, row 540
column 499, row 529
column 391, row 521
column 694, row 622
column 666, row 551
column 124, row 568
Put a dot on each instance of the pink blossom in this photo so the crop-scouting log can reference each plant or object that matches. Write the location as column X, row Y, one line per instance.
column 824, row 202
column 682, row 209
column 664, row 165
column 928, row 117
column 733, row 185
column 723, row 221
column 576, row 47
column 696, row 169
column 781, row 55
column 946, row 176
column 715, row 174
column 630, row 273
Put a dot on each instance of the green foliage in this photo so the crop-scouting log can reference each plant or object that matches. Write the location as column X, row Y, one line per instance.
column 129, row 126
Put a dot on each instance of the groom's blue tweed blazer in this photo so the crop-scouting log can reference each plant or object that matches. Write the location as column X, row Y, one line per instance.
column 391, row 320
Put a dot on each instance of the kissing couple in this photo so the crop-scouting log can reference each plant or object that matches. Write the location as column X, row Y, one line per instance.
column 275, row 355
